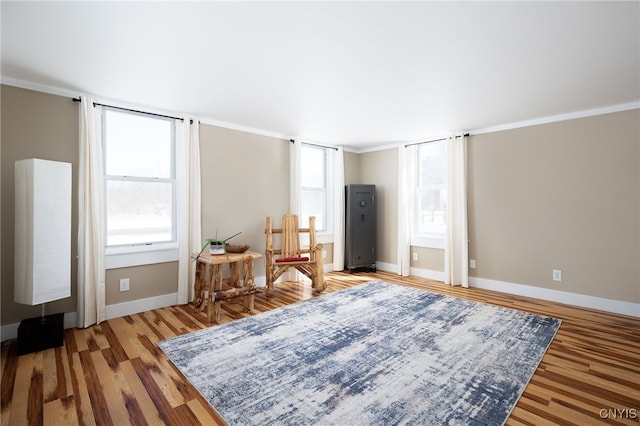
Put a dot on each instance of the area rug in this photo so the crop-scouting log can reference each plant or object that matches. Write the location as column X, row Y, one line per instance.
column 373, row 354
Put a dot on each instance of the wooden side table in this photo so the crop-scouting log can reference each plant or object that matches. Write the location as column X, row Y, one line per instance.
column 211, row 289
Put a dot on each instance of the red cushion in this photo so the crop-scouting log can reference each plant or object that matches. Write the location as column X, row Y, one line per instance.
column 292, row 259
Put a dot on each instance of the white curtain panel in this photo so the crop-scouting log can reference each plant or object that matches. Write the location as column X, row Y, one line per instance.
column 195, row 200
column 188, row 202
column 456, row 264
column 407, row 158
column 295, row 177
column 338, row 210
column 295, row 187
column 91, row 217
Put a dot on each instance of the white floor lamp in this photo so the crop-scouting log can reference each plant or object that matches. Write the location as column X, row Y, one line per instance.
column 42, row 268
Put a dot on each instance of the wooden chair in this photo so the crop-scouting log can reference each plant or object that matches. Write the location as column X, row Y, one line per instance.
column 291, row 255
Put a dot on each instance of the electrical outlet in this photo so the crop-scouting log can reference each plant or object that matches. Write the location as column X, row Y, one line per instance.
column 324, row 254
column 472, row 263
column 124, row 284
column 557, row 275
column 415, row 256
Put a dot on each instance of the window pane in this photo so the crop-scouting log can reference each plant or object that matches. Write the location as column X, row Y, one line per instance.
column 137, row 145
column 432, row 187
column 139, row 212
column 432, row 165
column 313, row 167
column 313, row 203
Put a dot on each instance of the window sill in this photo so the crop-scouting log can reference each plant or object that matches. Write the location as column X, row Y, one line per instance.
column 428, row 242
column 125, row 257
column 324, row 238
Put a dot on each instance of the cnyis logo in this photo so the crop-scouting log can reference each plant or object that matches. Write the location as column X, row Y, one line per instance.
column 619, row 413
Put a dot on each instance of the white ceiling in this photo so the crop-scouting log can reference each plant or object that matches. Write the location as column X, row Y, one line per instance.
column 357, row 74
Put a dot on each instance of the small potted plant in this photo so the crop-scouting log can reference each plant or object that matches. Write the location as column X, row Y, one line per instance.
column 216, row 246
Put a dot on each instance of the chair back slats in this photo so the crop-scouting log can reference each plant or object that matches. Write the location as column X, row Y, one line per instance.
column 290, row 237
column 269, row 233
column 312, row 231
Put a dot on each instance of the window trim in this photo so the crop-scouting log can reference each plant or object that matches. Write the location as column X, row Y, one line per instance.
column 325, row 235
column 123, row 256
column 425, row 238
column 127, row 255
column 428, row 241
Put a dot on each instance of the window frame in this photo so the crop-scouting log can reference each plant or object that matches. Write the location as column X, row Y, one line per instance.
column 420, row 237
column 324, row 235
column 148, row 252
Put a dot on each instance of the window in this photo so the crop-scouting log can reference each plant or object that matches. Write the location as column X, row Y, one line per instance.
column 317, row 183
column 140, row 179
column 430, row 201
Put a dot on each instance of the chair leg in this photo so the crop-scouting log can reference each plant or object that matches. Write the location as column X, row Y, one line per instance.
column 269, row 273
column 318, row 276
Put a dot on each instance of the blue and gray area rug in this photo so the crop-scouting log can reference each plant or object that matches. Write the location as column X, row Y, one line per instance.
column 376, row 353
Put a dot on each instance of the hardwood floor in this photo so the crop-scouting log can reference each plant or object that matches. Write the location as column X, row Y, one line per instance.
column 114, row 373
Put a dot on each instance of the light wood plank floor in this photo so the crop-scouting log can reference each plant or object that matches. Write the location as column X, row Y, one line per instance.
column 114, row 373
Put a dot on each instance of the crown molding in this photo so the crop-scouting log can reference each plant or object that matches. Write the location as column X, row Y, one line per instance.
column 375, row 148
column 22, row 84
column 393, row 145
column 560, row 117
column 242, row 128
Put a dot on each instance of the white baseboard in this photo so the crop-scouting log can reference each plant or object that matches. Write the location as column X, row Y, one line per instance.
column 10, row 331
column 575, row 299
column 416, row 272
column 140, row 305
column 260, row 281
column 387, row 267
column 428, row 274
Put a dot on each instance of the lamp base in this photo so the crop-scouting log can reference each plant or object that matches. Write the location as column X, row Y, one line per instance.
column 38, row 334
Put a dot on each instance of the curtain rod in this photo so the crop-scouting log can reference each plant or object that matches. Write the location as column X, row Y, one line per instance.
column 434, row 140
column 132, row 110
column 315, row 144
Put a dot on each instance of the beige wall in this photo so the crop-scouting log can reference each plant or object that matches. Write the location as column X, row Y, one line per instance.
column 39, row 125
column 351, row 168
column 562, row 196
column 35, row 125
column 245, row 177
column 144, row 281
column 381, row 169
column 431, row 259
column 556, row 196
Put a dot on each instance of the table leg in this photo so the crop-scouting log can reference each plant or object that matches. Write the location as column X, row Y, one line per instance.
column 234, row 280
column 199, row 286
column 247, row 270
column 216, row 284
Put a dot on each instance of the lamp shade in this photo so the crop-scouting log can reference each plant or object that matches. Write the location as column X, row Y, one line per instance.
column 42, row 268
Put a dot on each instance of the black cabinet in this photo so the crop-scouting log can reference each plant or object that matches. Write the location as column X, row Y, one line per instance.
column 360, row 227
